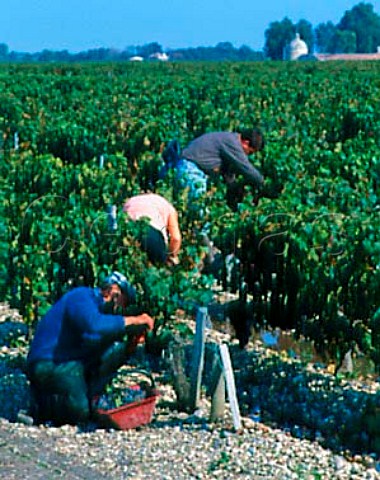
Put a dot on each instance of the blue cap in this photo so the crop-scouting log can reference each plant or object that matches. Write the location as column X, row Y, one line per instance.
column 121, row 280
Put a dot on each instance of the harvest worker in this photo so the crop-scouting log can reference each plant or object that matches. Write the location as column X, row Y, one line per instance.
column 161, row 238
column 220, row 154
column 78, row 346
column 213, row 156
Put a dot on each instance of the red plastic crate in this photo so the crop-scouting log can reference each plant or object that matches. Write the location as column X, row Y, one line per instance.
column 130, row 415
column 133, row 414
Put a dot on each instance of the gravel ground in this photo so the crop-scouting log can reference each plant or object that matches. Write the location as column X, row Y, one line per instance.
column 175, row 445
column 171, row 447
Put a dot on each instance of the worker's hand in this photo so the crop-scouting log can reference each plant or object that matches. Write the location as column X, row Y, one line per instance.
column 271, row 189
column 134, row 341
column 140, row 338
column 143, row 320
column 172, row 260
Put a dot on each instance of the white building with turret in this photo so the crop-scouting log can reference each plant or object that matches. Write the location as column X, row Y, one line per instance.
column 296, row 49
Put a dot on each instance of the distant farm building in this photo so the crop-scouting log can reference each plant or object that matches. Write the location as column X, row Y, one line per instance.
column 136, row 58
column 161, row 57
column 348, row 56
column 298, row 50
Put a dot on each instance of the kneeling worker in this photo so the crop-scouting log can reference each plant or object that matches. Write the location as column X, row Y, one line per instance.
column 79, row 345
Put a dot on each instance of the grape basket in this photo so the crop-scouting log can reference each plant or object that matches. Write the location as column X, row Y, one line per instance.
column 132, row 414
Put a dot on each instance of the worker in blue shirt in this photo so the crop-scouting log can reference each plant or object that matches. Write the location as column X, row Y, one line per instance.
column 79, row 345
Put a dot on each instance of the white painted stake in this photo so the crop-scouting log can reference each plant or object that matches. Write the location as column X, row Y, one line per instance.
column 231, row 389
column 112, row 217
column 198, row 357
column 16, row 141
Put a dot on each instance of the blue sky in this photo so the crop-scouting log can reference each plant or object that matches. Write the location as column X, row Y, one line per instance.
column 77, row 25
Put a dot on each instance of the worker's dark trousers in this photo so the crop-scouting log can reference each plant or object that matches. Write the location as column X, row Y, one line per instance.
column 152, row 242
column 62, row 393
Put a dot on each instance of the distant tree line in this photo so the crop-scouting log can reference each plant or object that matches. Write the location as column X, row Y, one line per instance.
column 357, row 32
column 222, row 51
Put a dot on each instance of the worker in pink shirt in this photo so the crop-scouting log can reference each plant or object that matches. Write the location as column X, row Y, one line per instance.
column 162, row 238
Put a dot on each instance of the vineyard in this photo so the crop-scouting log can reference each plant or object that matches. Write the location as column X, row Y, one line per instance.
column 76, row 139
